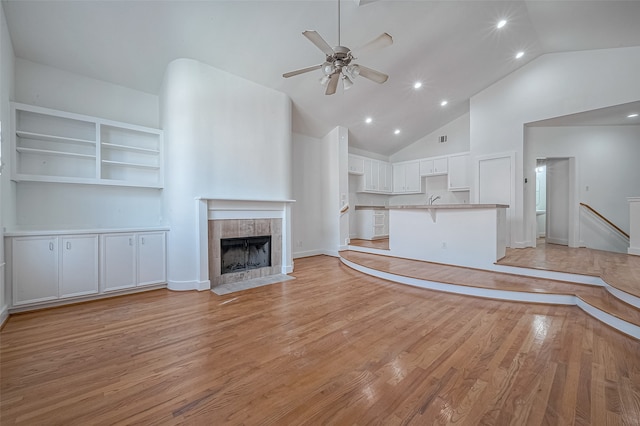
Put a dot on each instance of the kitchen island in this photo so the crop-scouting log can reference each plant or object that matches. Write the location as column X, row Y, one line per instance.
column 473, row 235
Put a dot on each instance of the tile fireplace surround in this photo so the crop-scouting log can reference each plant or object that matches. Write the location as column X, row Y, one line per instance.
column 238, row 228
column 229, row 218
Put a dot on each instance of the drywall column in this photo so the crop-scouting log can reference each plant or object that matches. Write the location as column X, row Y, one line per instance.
column 634, row 225
column 7, row 188
column 225, row 137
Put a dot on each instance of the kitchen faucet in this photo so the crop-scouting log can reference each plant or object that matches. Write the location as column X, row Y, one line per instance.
column 433, row 199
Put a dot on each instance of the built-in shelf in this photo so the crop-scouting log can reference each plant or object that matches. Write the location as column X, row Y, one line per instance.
column 50, row 152
column 124, row 164
column 58, row 146
column 129, row 148
column 52, row 138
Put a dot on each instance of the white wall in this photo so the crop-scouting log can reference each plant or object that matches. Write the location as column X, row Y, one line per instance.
column 335, row 190
column 607, row 160
column 550, row 86
column 457, row 132
column 308, row 182
column 225, row 137
column 6, row 94
column 50, row 87
column 84, row 206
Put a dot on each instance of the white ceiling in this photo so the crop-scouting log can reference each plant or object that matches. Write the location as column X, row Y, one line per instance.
column 453, row 47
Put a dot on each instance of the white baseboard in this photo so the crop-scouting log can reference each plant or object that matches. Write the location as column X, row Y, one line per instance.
column 189, row 285
column 4, row 315
column 85, row 298
column 308, row 253
column 634, row 250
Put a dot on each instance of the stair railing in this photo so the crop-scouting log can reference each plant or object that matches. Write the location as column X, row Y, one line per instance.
column 613, row 225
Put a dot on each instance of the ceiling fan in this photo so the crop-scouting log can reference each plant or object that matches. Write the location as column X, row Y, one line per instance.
column 338, row 63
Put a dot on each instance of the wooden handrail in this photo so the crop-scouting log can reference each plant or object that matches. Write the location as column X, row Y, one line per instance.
column 613, row 225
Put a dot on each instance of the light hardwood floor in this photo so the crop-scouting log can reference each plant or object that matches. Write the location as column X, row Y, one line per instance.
column 332, row 347
column 617, row 269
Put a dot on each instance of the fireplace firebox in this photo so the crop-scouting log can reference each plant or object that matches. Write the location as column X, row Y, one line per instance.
column 243, row 254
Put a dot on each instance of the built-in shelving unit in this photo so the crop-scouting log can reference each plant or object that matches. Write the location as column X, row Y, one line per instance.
column 57, row 146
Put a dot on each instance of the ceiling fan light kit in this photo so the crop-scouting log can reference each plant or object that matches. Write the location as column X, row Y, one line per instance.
column 337, row 65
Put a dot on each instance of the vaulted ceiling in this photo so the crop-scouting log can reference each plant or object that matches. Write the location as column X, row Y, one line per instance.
column 453, row 47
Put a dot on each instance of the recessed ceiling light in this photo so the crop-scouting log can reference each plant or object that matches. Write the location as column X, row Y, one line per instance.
column 502, row 23
column 519, row 55
column 443, row 103
column 417, row 85
column 396, row 132
column 368, row 120
column 632, row 115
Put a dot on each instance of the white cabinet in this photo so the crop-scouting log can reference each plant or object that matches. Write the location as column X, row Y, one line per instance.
column 46, row 268
column 134, row 259
column 356, row 165
column 372, row 224
column 51, row 267
column 118, row 261
column 151, row 258
column 57, row 146
column 406, row 177
column 371, row 175
column 34, row 269
column 376, row 175
column 78, row 265
column 386, row 177
column 459, row 172
column 434, row 166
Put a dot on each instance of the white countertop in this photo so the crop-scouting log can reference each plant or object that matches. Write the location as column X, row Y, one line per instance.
column 24, row 232
column 450, row 206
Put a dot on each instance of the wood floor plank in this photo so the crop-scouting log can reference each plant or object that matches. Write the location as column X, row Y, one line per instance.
column 332, row 347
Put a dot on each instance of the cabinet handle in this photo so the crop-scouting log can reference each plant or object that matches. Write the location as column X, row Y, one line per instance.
column 142, row 240
column 68, row 245
column 51, row 246
column 130, row 241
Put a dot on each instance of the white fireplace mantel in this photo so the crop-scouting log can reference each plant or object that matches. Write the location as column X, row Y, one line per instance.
column 209, row 208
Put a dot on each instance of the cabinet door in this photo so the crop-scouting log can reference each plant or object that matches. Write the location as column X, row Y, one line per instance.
column 356, row 165
column 412, row 177
column 370, row 175
column 386, row 177
column 34, row 269
column 459, row 173
column 151, row 258
column 118, row 261
column 79, row 265
column 426, row 167
column 398, row 178
column 440, row 166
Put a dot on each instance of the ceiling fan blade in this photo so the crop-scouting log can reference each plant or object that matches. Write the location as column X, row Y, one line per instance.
column 383, row 40
column 317, row 39
column 372, row 75
column 333, row 84
column 301, row 71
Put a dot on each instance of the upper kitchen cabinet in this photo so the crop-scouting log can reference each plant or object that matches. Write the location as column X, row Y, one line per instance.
column 434, row 166
column 406, row 178
column 57, row 146
column 459, row 176
column 376, row 175
column 356, row 165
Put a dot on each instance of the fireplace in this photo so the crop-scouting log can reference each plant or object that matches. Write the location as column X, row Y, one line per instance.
column 243, row 249
column 243, row 254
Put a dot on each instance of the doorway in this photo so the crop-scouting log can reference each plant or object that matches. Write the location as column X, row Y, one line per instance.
column 557, row 217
